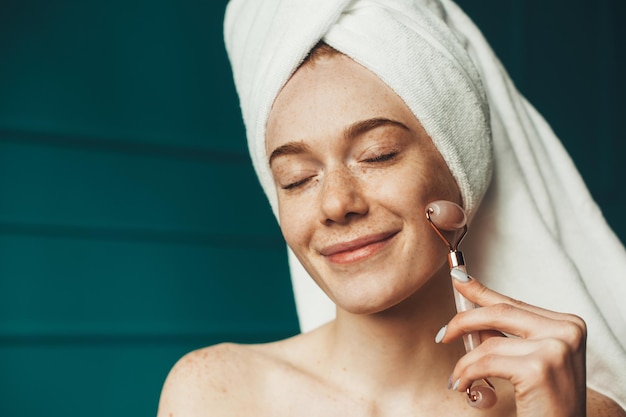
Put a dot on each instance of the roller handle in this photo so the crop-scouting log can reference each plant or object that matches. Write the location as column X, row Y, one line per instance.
column 471, row 340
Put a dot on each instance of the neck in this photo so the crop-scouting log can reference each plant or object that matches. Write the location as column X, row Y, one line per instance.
column 396, row 348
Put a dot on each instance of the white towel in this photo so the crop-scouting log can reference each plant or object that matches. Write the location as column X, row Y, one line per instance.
column 537, row 235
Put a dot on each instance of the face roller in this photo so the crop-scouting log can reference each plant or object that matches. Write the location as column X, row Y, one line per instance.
column 447, row 218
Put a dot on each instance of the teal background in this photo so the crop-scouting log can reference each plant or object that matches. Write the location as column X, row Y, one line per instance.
column 132, row 228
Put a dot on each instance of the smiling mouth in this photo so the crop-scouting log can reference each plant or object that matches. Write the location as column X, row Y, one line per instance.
column 358, row 249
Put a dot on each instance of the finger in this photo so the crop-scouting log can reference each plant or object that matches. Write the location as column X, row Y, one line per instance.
column 481, row 295
column 544, row 363
column 488, row 334
column 516, row 322
column 498, row 346
column 511, row 368
column 538, row 386
column 483, row 335
column 500, row 318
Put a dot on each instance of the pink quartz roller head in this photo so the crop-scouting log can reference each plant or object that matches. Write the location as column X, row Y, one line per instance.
column 446, row 216
column 450, row 223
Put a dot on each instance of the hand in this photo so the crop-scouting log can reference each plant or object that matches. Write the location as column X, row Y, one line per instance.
column 544, row 360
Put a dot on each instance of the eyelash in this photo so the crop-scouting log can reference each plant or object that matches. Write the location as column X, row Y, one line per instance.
column 296, row 184
column 382, row 158
column 377, row 159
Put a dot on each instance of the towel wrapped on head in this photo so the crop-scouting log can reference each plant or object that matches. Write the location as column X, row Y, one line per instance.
column 536, row 233
column 423, row 62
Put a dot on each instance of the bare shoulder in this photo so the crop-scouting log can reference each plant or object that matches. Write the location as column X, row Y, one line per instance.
column 203, row 382
column 599, row 405
column 229, row 379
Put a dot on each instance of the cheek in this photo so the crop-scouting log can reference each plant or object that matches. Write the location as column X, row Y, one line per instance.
column 442, row 185
column 408, row 190
column 431, row 182
column 293, row 222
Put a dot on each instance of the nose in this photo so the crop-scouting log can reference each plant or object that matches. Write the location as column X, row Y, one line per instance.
column 342, row 197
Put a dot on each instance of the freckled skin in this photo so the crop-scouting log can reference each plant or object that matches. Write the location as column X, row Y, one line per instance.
column 600, row 406
column 347, row 198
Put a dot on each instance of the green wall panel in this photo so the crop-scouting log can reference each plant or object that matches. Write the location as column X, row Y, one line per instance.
column 108, row 188
column 132, row 227
column 85, row 380
column 134, row 287
column 144, row 71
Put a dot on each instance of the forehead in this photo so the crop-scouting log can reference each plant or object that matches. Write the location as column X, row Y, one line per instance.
column 324, row 97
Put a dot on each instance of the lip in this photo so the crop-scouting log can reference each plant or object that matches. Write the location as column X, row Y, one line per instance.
column 357, row 249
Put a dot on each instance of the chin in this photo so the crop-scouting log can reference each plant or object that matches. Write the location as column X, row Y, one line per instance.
column 371, row 287
column 371, row 299
column 359, row 307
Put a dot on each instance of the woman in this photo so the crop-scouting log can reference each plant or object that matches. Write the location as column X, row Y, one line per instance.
column 351, row 147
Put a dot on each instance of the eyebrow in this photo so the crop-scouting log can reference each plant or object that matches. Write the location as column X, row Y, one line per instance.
column 354, row 130
column 290, row 148
column 364, row 126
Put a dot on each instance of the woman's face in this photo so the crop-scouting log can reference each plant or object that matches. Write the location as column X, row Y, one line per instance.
column 354, row 171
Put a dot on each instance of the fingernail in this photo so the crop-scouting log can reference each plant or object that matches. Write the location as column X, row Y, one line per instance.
column 459, row 275
column 450, row 382
column 456, row 384
column 440, row 334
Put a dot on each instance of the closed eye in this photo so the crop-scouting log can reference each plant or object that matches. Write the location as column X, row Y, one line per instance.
column 296, row 184
column 382, row 158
